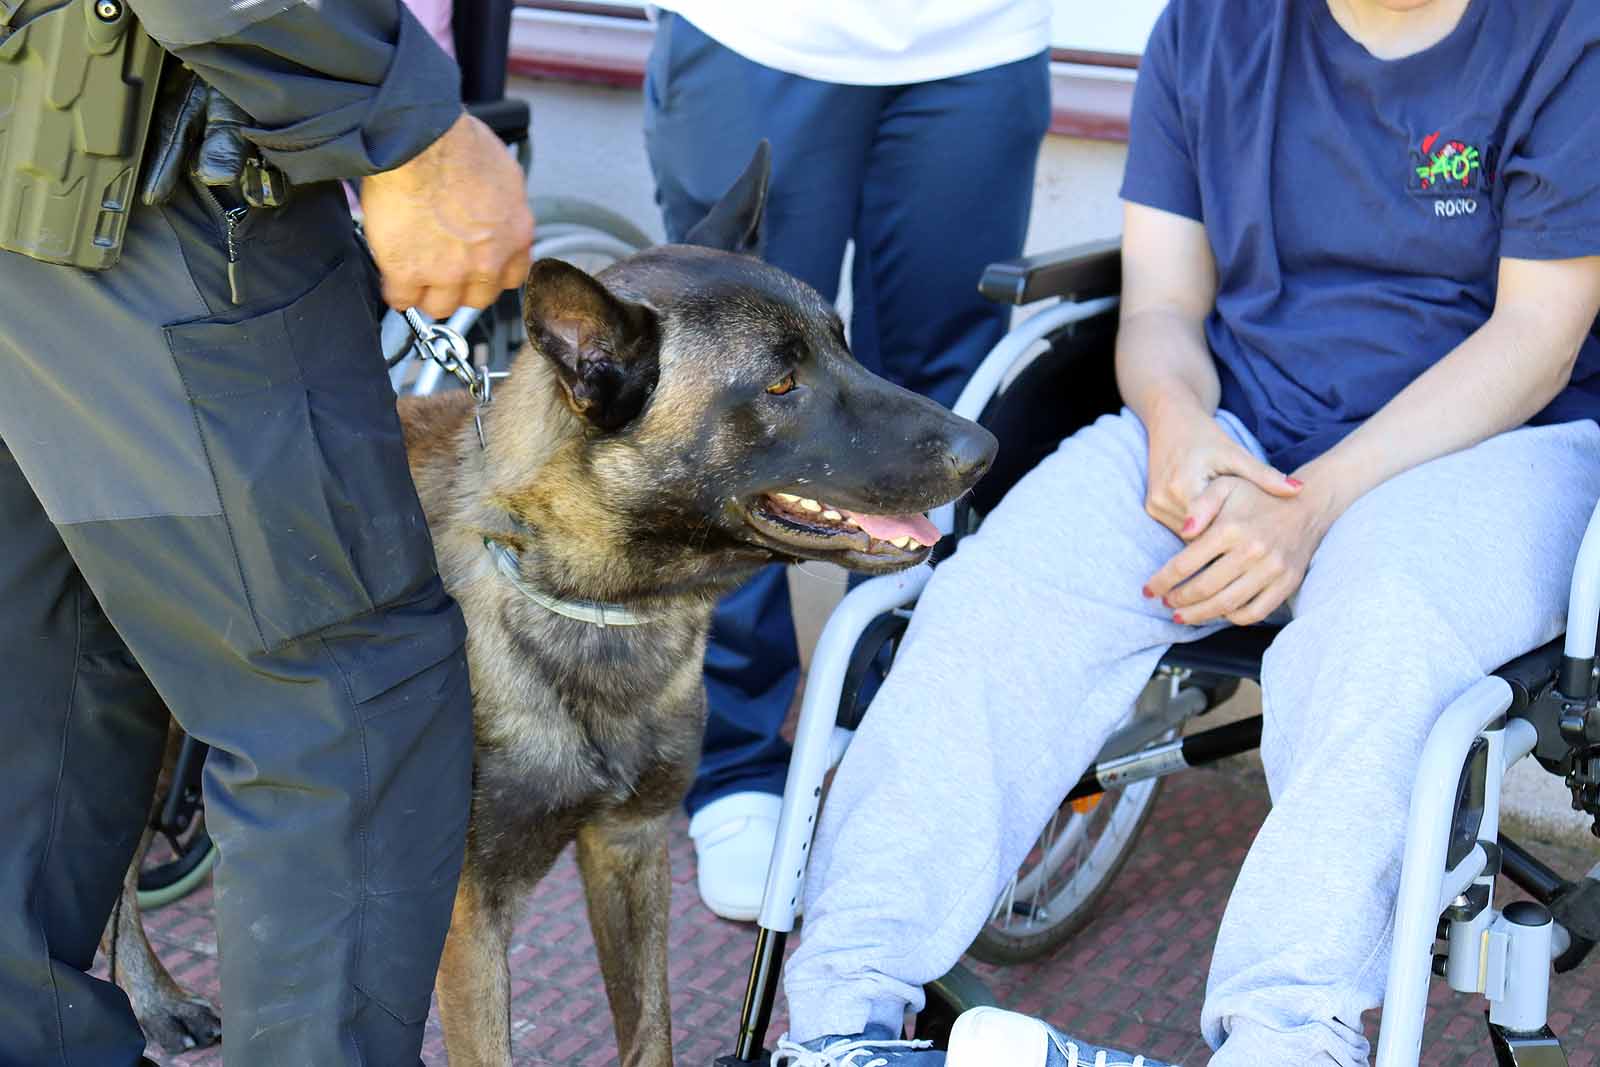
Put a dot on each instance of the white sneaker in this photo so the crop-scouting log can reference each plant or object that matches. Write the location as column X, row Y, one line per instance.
column 733, row 839
column 989, row 1037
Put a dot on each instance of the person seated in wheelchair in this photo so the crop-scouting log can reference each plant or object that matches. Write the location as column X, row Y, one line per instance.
column 1361, row 274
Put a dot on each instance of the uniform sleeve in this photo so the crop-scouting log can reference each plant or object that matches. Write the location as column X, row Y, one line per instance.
column 336, row 90
column 1160, row 171
column 1551, row 173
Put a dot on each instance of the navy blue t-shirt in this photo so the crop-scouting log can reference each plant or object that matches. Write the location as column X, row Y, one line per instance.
column 1358, row 208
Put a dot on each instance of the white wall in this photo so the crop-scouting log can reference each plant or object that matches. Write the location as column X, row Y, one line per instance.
column 1098, row 26
column 1091, row 25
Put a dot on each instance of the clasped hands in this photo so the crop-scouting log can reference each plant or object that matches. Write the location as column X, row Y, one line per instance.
column 1250, row 530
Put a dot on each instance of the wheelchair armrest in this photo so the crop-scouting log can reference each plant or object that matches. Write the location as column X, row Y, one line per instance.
column 1081, row 272
column 1530, row 674
column 508, row 118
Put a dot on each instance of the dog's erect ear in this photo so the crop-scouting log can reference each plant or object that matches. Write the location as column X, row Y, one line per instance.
column 735, row 221
column 606, row 350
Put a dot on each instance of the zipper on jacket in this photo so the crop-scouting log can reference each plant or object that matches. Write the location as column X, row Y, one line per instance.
column 231, row 218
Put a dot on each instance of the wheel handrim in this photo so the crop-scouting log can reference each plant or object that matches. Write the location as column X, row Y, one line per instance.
column 193, row 855
column 578, row 244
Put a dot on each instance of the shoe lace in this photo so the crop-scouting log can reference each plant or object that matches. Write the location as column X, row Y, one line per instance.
column 844, row 1053
column 1076, row 1059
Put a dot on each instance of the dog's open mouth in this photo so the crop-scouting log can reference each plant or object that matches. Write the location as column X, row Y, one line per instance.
column 812, row 527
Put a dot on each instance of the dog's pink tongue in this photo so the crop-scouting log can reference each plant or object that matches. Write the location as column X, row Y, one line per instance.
column 889, row 527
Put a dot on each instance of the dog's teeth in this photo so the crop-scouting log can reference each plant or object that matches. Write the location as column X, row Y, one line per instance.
column 809, row 504
column 787, row 498
column 901, row 542
column 832, row 516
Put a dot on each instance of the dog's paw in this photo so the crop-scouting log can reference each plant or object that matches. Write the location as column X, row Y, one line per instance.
column 179, row 1024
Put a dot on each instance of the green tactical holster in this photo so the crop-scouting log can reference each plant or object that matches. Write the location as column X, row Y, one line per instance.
column 78, row 83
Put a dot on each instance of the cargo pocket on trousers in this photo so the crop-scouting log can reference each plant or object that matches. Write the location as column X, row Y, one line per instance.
column 300, row 430
column 406, row 672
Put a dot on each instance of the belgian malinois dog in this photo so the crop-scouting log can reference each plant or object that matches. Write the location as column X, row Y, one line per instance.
column 683, row 419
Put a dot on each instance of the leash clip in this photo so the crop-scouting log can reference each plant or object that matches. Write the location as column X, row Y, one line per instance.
column 447, row 348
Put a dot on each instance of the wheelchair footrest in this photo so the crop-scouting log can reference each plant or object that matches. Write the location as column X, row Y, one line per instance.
column 1577, row 908
column 1538, row 1049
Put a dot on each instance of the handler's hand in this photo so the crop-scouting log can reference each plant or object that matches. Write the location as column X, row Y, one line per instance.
column 1251, row 559
column 451, row 228
column 1189, row 455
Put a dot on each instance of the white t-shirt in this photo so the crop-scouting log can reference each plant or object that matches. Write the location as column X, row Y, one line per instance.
column 874, row 42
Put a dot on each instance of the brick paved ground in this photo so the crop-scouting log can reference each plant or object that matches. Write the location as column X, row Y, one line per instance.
column 1135, row 977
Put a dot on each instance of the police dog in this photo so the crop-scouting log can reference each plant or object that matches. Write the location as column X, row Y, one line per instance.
column 683, row 419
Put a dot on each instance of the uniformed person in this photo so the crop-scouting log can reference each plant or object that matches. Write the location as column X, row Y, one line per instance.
column 206, row 507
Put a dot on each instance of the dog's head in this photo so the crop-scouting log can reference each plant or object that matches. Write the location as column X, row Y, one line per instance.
column 718, row 419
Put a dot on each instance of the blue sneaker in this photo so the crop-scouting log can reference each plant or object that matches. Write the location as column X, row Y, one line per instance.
column 989, row 1037
column 875, row 1048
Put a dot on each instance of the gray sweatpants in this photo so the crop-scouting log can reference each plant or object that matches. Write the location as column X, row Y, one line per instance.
column 1031, row 644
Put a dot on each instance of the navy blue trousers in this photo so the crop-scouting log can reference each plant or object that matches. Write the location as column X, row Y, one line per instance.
column 932, row 182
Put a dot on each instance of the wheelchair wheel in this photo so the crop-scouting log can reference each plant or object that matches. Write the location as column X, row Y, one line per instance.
column 180, row 852
column 584, row 234
column 172, row 869
column 588, row 236
column 1055, row 891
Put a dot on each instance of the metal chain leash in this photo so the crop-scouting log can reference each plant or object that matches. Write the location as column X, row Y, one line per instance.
column 449, row 349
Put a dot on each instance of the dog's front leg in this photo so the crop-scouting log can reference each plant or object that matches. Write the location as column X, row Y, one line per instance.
column 169, row 1015
column 628, row 882
column 474, row 983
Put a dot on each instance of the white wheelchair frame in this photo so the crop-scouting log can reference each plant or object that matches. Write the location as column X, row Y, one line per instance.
column 1504, row 955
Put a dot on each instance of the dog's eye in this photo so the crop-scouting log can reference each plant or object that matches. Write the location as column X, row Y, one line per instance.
column 782, row 385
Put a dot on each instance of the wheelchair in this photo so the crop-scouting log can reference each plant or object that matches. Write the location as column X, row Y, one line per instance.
column 1542, row 705
column 587, row 235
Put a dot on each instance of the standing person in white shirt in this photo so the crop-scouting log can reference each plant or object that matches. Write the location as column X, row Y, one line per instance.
column 912, row 128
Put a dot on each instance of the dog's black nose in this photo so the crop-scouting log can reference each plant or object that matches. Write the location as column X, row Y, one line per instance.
column 971, row 450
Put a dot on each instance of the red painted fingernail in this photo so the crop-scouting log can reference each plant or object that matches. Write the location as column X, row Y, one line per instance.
column 1189, row 525
column 1177, row 618
column 1166, row 602
column 1147, row 593
column 1294, row 483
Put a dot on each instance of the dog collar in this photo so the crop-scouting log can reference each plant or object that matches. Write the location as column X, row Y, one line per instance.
column 593, row 612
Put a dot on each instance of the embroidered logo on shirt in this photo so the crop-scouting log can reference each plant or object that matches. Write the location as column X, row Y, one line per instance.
column 1454, row 163
column 1452, row 173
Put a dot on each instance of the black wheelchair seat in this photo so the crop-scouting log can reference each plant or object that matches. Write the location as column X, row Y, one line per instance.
column 1234, row 652
column 1067, row 387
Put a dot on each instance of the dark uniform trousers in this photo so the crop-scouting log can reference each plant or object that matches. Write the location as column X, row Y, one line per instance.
column 207, row 510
